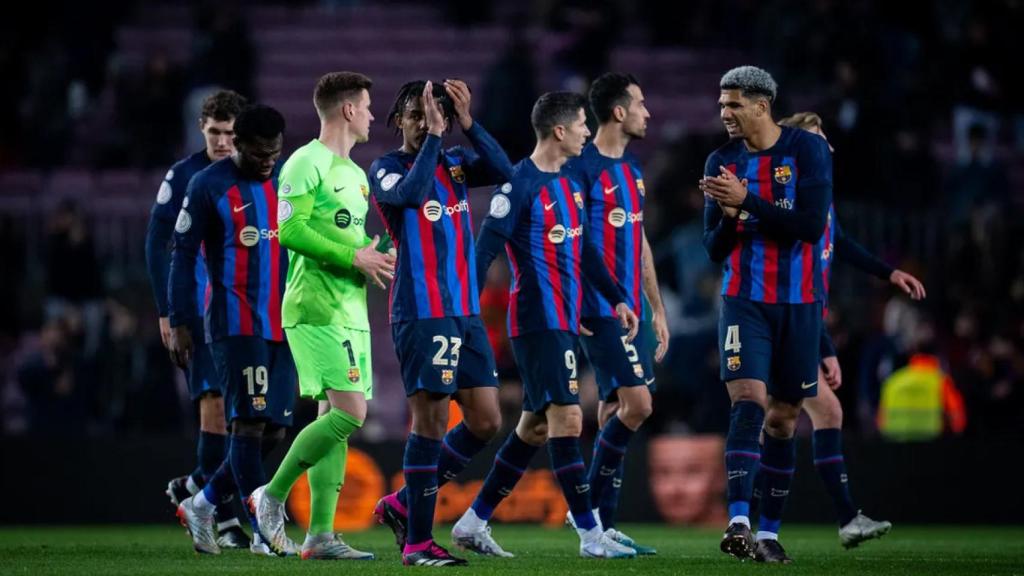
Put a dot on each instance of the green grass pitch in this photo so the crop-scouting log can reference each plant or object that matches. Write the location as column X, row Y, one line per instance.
column 152, row 549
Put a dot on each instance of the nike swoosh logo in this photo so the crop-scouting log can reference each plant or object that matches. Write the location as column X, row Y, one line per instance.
column 287, row 413
column 549, row 206
column 805, row 385
column 243, row 207
column 649, row 381
column 612, row 189
column 336, row 190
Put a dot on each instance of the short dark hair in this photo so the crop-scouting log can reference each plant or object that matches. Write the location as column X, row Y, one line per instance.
column 608, row 91
column 259, row 121
column 334, row 87
column 414, row 89
column 222, row 106
column 555, row 108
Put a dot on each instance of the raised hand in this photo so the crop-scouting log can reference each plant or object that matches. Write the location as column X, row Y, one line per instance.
column 461, row 97
column 432, row 110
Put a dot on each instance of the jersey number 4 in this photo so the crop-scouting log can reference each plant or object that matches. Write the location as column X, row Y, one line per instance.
column 732, row 339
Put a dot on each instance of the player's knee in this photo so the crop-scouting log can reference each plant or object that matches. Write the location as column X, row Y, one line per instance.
column 533, row 434
column 565, row 421
column 780, row 423
column 633, row 412
column 484, row 424
column 830, row 414
column 211, row 414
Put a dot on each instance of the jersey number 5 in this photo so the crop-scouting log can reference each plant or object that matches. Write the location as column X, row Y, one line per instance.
column 732, row 339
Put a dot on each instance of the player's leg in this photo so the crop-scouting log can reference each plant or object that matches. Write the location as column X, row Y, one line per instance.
column 333, row 364
column 626, row 404
column 744, row 338
column 794, row 378
column 826, row 415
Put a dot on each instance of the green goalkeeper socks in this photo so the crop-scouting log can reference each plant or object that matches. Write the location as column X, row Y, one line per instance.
column 311, row 446
column 325, row 481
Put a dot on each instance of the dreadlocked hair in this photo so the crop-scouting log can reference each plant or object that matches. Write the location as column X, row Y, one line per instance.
column 411, row 90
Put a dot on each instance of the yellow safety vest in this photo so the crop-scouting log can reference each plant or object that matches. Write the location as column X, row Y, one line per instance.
column 911, row 406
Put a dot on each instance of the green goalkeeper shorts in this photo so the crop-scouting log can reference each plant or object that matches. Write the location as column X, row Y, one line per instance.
column 331, row 358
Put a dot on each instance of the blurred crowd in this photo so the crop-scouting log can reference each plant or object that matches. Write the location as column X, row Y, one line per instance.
column 921, row 100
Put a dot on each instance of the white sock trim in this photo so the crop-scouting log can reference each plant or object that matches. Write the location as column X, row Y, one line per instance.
column 745, row 520
column 764, row 535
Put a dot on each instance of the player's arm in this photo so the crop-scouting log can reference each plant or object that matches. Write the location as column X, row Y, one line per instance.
column 806, row 221
column 396, row 187
column 596, row 272
column 719, row 227
column 653, row 292
column 489, row 165
column 299, row 181
column 189, row 231
column 502, row 218
column 159, row 234
column 849, row 250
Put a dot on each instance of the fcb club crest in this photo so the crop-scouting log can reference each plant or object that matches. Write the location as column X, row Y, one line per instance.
column 783, row 174
column 353, row 375
column 578, row 198
column 364, row 190
column 259, row 403
column 447, row 376
column 733, row 363
column 574, row 386
column 457, row 174
column 640, row 186
column 638, row 370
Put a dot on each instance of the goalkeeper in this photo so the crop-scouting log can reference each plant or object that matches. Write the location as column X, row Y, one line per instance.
column 321, row 215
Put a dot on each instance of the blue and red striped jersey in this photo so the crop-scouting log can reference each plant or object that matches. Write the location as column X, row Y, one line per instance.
column 159, row 233
column 789, row 184
column 424, row 202
column 542, row 217
column 614, row 199
column 235, row 219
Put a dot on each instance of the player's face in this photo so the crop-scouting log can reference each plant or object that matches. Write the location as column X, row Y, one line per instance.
column 413, row 124
column 257, row 158
column 361, row 116
column 686, row 477
column 220, row 137
column 635, row 123
column 737, row 112
column 575, row 135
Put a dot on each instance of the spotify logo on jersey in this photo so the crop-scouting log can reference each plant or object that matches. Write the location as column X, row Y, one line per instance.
column 557, row 234
column 249, row 236
column 617, row 217
column 433, row 210
column 342, row 218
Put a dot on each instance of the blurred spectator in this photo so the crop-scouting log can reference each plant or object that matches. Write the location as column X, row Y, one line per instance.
column 920, row 401
column 977, row 181
column 979, row 99
column 53, row 378
column 589, row 29
column 687, row 479
column 509, row 91
column 149, row 113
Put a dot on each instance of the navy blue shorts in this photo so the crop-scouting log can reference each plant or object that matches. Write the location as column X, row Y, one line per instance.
column 259, row 377
column 202, row 378
column 618, row 363
column 777, row 344
column 444, row 355
column 547, row 362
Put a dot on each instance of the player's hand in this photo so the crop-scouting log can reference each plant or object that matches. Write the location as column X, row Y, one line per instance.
column 584, row 331
column 459, row 92
column 833, row 373
column 376, row 266
column 661, row 335
column 181, row 346
column 730, row 211
column 910, row 285
column 726, row 188
column 435, row 117
column 165, row 332
column 628, row 319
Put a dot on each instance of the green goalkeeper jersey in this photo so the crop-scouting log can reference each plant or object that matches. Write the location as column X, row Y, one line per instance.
column 321, row 218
